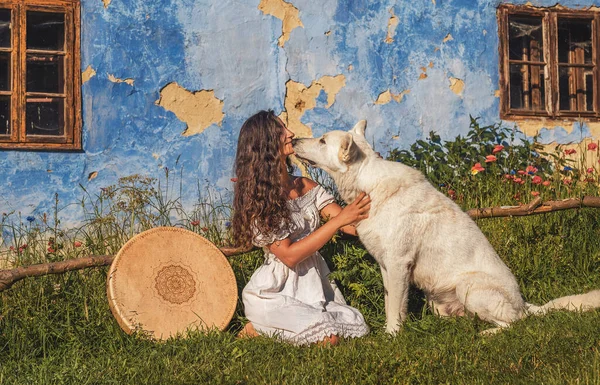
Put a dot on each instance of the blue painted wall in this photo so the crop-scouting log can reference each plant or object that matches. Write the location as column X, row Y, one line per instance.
column 231, row 47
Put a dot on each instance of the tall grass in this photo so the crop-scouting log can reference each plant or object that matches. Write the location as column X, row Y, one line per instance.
column 59, row 329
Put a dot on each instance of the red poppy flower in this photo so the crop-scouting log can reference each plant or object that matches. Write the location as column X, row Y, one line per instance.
column 521, row 172
column 546, row 183
column 497, row 148
column 77, row 244
column 490, row 158
column 536, row 180
column 570, row 151
column 535, row 193
column 477, row 168
column 508, row 176
column 517, row 180
column 592, row 146
column 567, row 181
column 531, row 170
column 194, row 223
column 590, row 170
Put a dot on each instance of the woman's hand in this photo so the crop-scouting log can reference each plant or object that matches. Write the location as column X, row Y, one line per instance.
column 355, row 211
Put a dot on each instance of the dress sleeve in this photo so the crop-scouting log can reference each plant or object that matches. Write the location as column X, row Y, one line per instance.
column 261, row 240
column 322, row 197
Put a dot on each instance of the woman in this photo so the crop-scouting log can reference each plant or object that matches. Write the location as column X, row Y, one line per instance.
column 290, row 294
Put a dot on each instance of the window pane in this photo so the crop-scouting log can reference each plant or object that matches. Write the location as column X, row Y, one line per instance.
column 45, row 73
column 525, row 38
column 45, row 117
column 5, row 28
column 527, row 89
column 575, row 41
column 4, row 115
column 45, row 30
column 576, row 89
column 4, row 71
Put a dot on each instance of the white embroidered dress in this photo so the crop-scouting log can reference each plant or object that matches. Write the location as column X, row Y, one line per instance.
column 300, row 305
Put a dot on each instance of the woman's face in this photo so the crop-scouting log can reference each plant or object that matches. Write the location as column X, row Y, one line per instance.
column 286, row 141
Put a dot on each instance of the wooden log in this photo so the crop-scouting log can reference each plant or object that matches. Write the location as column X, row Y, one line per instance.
column 535, row 207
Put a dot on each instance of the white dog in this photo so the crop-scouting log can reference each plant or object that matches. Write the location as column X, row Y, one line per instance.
column 418, row 235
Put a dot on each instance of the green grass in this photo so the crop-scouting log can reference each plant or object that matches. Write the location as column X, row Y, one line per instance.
column 59, row 329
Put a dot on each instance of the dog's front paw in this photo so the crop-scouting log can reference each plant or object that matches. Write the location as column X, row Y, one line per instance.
column 393, row 330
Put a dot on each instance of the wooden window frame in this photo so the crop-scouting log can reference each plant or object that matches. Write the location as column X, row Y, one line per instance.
column 550, row 18
column 71, row 138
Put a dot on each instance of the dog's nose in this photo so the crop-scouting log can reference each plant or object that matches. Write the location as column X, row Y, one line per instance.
column 294, row 141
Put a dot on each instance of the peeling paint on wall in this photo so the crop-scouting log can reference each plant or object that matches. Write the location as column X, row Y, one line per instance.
column 447, row 38
column 106, row 3
column 87, row 74
column 457, row 86
column 92, row 175
column 299, row 99
column 199, row 109
column 284, row 11
column 391, row 27
column 113, row 79
column 387, row 96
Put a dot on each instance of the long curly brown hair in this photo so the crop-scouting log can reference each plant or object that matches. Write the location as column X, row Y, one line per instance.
column 259, row 201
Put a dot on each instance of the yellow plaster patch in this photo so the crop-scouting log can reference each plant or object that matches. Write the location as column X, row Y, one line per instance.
column 284, row 11
column 497, row 93
column 117, row 80
column 391, row 28
column 433, row 2
column 386, row 96
column 299, row 99
column 430, row 64
column 155, row 155
column 350, row 67
column 198, row 109
column 92, row 175
column 423, row 76
column 106, row 3
column 457, row 85
column 87, row 74
column 447, row 38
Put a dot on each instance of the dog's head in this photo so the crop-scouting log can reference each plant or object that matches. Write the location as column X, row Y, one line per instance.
column 335, row 151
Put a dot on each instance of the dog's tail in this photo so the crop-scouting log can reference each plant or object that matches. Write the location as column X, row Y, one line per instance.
column 578, row 302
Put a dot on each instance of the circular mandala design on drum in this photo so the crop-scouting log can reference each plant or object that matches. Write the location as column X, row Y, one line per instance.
column 175, row 284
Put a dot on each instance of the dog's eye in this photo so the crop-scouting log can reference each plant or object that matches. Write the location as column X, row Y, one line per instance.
column 322, row 141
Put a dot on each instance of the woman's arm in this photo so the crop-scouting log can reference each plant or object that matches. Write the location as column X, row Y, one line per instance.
column 292, row 253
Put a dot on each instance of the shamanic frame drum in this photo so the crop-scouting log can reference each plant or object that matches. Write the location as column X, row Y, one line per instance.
column 167, row 280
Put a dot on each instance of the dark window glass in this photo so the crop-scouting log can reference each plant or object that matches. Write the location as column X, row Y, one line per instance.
column 4, row 71
column 4, row 115
column 576, row 89
column 45, row 73
column 525, row 38
column 527, row 87
column 575, row 41
column 45, row 31
column 5, row 27
column 45, row 117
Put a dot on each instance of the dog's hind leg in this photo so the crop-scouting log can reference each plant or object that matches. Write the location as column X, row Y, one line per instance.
column 491, row 302
column 398, row 277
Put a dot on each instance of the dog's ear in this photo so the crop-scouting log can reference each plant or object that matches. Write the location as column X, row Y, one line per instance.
column 360, row 128
column 347, row 148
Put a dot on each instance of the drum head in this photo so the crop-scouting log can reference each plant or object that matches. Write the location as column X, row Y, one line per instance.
column 168, row 280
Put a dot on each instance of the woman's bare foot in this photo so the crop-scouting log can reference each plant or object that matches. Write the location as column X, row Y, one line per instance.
column 248, row 331
column 332, row 340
